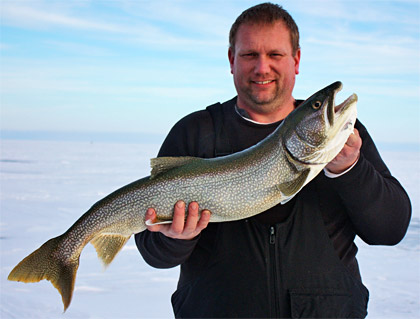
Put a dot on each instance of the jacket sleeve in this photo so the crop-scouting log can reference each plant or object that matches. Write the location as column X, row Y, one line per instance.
column 378, row 206
column 185, row 139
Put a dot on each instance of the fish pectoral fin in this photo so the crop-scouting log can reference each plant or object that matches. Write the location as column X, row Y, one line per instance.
column 108, row 245
column 163, row 164
column 290, row 188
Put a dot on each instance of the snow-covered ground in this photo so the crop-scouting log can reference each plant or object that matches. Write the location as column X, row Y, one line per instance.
column 46, row 186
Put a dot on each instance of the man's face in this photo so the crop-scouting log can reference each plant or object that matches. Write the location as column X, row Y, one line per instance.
column 263, row 67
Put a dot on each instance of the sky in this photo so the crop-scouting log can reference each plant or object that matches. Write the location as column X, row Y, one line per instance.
column 137, row 67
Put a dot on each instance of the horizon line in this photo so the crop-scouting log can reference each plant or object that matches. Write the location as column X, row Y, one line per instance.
column 138, row 137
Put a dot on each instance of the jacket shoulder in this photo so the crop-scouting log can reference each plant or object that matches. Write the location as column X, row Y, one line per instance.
column 194, row 134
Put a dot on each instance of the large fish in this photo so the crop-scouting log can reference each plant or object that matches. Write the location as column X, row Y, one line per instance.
column 232, row 187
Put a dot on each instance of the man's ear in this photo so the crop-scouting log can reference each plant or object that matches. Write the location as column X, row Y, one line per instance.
column 231, row 57
column 297, row 61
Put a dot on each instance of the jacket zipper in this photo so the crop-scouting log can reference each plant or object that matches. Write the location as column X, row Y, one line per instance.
column 274, row 272
column 272, row 235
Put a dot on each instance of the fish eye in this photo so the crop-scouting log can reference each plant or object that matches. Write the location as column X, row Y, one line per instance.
column 316, row 105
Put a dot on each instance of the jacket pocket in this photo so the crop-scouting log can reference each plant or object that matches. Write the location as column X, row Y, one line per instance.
column 321, row 303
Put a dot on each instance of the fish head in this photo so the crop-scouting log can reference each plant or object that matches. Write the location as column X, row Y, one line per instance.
column 318, row 129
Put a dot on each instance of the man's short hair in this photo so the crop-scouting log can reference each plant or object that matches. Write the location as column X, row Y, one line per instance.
column 266, row 13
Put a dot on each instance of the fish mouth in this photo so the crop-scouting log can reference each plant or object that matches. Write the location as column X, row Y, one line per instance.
column 337, row 111
column 340, row 108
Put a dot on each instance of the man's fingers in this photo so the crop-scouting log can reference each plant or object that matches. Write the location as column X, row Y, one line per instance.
column 347, row 156
column 204, row 220
column 192, row 219
column 178, row 221
column 181, row 227
column 353, row 139
column 151, row 215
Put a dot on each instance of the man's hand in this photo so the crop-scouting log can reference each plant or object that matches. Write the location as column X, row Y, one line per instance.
column 181, row 228
column 347, row 156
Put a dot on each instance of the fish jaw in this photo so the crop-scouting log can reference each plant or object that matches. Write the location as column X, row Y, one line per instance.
column 345, row 115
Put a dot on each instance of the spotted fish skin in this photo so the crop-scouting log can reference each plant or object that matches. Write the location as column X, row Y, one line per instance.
column 232, row 187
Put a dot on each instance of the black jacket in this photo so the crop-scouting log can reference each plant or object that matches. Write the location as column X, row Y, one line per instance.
column 232, row 260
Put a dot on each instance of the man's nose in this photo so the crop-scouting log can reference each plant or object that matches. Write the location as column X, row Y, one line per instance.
column 262, row 65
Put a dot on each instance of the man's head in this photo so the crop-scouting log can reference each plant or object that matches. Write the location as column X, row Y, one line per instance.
column 264, row 61
column 266, row 13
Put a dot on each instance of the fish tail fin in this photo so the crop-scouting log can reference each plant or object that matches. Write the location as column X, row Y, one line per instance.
column 108, row 245
column 44, row 264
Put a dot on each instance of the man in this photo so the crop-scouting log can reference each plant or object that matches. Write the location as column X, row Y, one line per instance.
column 294, row 260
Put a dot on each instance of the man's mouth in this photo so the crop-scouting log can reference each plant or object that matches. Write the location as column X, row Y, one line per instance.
column 263, row 82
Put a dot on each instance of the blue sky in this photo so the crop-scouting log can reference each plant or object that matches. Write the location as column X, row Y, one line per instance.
column 139, row 66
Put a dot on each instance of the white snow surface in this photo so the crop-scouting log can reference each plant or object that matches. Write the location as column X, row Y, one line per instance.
column 47, row 186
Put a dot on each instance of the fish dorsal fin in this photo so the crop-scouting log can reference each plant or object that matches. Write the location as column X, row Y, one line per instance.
column 163, row 164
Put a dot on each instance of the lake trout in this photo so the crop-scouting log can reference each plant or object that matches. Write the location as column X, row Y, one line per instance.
column 232, row 187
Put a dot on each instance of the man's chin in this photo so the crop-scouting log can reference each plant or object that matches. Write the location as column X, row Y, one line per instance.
column 262, row 101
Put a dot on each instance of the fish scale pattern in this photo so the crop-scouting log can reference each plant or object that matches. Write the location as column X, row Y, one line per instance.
column 233, row 187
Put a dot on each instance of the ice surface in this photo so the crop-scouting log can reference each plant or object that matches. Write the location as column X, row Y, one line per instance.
column 46, row 186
